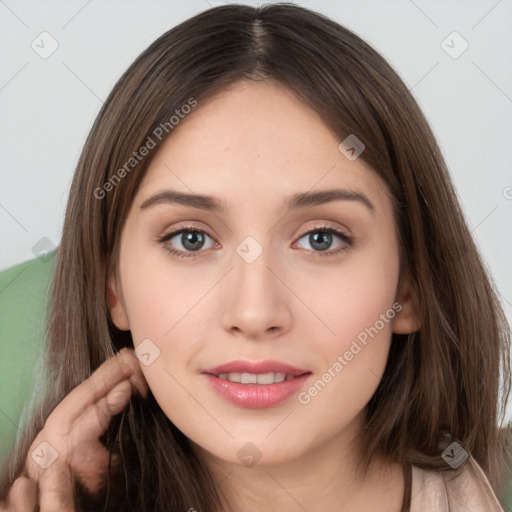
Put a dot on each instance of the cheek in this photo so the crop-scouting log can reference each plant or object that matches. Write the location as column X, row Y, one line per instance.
column 159, row 294
column 350, row 299
column 356, row 307
column 166, row 303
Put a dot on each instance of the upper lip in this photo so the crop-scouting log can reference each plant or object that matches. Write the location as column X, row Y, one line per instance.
column 255, row 367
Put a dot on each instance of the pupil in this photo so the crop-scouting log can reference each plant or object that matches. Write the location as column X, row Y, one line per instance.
column 323, row 239
column 192, row 240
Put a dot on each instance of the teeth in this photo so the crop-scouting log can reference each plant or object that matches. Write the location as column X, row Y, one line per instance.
column 251, row 378
column 248, row 378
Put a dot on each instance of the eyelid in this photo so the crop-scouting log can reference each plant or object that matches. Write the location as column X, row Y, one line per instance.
column 167, row 235
column 324, row 225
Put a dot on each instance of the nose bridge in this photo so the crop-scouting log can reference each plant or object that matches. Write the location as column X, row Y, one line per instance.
column 252, row 267
column 256, row 303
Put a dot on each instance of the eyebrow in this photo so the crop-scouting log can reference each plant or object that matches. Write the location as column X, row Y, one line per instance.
column 297, row 201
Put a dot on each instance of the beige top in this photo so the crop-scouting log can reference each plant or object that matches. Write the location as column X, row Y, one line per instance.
column 470, row 491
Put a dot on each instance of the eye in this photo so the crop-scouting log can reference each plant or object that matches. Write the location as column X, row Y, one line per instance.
column 321, row 239
column 190, row 238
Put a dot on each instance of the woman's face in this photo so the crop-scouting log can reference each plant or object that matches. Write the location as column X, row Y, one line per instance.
column 262, row 279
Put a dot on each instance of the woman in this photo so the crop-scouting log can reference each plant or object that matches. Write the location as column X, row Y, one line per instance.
column 271, row 371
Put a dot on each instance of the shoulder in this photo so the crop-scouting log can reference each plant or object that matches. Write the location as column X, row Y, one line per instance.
column 468, row 490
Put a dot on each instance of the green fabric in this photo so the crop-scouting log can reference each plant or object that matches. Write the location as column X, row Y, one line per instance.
column 23, row 317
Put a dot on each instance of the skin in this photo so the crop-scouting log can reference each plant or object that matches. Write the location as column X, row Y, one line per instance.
column 68, row 446
column 253, row 145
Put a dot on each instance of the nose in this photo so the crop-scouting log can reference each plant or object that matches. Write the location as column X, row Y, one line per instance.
column 256, row 299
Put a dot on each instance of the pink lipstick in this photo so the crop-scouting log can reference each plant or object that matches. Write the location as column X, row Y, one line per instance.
column 256, row 385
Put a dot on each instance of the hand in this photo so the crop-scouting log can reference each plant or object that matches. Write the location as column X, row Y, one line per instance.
column 69, row 446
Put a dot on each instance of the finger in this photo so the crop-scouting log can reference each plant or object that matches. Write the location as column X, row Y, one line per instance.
column 81, row 449
column 116, row 400
column 56, row 489
column 84, row 414
column 97, row 419
column 22, row 497
column 123, row 366
column 137, row 378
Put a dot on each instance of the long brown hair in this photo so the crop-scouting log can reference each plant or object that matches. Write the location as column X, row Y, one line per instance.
column 443, row 380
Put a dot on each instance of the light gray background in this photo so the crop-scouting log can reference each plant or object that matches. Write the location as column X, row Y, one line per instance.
column 48, row 105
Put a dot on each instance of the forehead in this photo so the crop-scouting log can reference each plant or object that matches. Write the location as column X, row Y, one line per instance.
column 250, row 136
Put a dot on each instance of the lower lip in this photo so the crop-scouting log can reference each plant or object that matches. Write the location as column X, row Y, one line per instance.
column 256, row 396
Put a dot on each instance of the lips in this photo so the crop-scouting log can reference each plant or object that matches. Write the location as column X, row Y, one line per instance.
column 256, row 385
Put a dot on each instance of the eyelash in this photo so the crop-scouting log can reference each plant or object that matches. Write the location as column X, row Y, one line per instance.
column 347, row 240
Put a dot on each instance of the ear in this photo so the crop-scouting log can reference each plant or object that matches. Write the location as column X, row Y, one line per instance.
column 407, row 319
column 115, row 305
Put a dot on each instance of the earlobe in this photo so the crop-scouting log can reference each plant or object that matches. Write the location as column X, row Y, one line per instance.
column 116, row 307
column 407, row 320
